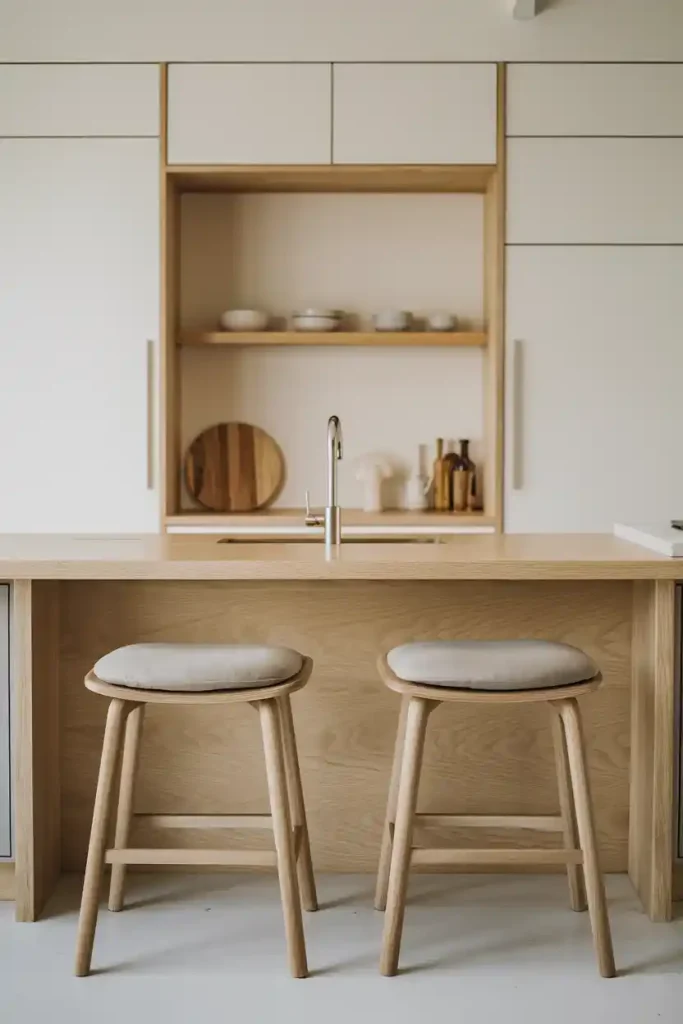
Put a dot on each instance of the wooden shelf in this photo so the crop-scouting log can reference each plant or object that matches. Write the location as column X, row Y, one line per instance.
column 419, row 339
column 287, row 518
column 473, row 178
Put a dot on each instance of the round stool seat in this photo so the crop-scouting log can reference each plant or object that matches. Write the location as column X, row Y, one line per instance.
column 491, row 665
column 197, row 668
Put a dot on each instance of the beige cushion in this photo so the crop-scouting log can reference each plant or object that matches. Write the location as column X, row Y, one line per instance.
column 491, row 664
column 198, row 667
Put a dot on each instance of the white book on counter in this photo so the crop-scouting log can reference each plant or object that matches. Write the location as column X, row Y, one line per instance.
column 659, row 537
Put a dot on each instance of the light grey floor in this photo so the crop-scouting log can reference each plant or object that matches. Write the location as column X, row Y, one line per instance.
column 476, row 949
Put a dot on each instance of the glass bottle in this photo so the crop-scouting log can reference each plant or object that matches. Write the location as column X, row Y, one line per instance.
column 440, row 488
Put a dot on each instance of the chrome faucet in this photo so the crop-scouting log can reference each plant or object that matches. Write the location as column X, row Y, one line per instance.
column 332, row 516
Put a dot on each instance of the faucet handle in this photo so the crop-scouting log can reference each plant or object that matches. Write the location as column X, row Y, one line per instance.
column 312, row 518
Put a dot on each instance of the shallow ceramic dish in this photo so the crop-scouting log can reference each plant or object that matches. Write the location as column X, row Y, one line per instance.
column 244, row 320
column 335, row 314
column 315, row 323
column 317, row 319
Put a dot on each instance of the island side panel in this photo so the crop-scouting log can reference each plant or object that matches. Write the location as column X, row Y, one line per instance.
column 478, row 760
column 651, row 833
column 7, row 884
column 37, row 814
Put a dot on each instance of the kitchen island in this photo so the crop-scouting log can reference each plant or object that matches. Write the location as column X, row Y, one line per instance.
column 75, row 598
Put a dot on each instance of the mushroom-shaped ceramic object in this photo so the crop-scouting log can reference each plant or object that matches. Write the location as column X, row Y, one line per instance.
column 371, row 470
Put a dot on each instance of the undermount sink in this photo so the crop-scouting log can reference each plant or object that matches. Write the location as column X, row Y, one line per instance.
column 304, row 539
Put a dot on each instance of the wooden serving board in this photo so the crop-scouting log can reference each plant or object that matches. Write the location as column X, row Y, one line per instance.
column 234, row 467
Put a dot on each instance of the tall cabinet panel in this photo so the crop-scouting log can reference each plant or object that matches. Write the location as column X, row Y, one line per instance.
column 594, row 297
column 79, row 219
column 5, row 772
column 594, row 365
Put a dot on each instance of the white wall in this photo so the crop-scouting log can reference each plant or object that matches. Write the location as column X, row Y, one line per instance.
column 253, row 30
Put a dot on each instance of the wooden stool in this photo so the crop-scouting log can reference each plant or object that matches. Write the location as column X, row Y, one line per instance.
column 264, row 677
column 489, row 672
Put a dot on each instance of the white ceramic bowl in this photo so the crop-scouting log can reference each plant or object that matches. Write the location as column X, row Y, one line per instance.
column 441, row 321
column 392, row 320
column 244, row 320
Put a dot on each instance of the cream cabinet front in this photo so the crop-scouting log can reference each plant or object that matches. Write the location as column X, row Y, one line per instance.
column 595, row 99
column 79, row 220
column 594, row 365
column 595, row 191
column 79, row 100
column 249, row 113
column 414, row 114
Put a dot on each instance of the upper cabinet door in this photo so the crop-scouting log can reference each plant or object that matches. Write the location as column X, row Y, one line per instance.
column 249, row 113
column 598, row 191
column 415, row 114
column 79, row 264
column 594, row 362
column 595, row 99
column 79, row 99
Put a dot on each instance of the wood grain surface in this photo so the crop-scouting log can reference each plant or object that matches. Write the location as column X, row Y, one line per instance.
column 332, row 178
column 234, row 467
column 653, row 746
column 562, row 556
column 373, row 339
column 35, row 664
column 478, row 760
column 7, row 886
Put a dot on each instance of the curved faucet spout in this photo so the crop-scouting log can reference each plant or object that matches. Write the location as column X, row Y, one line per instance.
column 334, row 436
column 332, row 510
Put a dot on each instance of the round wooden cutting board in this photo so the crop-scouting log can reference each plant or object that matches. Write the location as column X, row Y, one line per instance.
column 234, row 467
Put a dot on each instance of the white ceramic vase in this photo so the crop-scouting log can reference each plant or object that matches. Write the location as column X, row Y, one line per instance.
column 416, row 493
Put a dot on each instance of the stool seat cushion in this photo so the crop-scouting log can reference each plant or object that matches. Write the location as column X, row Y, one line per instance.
column 491, row 664
column 198, row 667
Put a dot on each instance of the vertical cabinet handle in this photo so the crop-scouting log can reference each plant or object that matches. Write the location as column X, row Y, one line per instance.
column 149, row 355
column 517, row 418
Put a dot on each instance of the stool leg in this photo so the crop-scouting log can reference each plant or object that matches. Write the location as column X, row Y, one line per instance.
column 124, row 812
column 98, row 837
column 284, row 845
column 577, row 893
column 595, row 890
column 296, row 805
column 413, row 748
column 390, row 817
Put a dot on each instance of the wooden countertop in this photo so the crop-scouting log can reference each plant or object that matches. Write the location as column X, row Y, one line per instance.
column 151, row 556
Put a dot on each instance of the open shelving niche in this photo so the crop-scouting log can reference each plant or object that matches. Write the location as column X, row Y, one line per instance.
column 214, row 217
